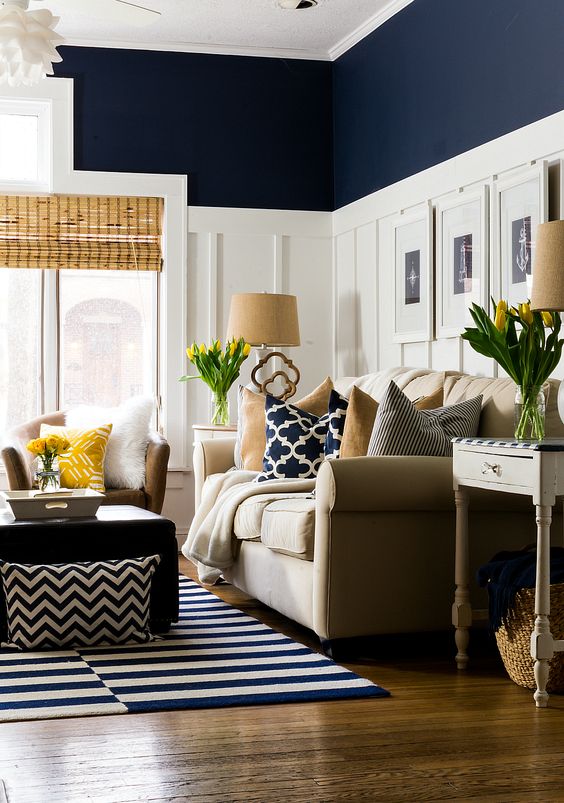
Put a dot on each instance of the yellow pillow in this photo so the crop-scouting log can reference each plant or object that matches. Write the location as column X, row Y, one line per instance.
column 82, row 466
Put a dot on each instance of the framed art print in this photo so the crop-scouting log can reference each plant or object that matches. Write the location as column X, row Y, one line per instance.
column 413, row 276
column 521, row 204
column 462, row 259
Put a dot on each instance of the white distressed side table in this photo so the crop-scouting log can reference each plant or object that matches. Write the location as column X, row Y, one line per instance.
column 535, row 469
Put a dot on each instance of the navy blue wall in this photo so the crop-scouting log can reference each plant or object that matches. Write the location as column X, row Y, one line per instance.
column 250, row 132
column 439, row 78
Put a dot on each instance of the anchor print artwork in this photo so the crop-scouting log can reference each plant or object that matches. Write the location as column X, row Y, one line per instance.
column 521, row 261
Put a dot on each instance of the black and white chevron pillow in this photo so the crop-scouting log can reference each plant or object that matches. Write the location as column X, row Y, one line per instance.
column 401, row 429
column 77, row 604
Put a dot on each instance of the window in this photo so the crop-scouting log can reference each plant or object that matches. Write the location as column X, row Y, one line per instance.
column 24, row 144
column 82, row 329
column 107, row 335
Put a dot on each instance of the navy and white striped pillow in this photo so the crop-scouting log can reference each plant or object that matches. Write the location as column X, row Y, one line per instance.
column 72, row 604
column 297, row 442
column 401, row 429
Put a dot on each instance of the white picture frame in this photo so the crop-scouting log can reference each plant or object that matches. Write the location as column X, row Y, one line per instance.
column 412, row 260
column 521, row 203
column 462, row 259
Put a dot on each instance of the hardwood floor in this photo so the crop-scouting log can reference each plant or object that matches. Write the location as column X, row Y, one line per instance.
column 442, row 735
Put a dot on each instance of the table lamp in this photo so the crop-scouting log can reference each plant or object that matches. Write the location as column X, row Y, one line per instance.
column 266, row 320
column 548, row 277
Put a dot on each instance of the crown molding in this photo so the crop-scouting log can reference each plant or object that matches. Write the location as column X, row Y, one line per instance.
column 217, row 50
column 349, row 41
column 382, row 16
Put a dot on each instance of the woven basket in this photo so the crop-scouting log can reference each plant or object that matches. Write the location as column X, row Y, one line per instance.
column 514, row 639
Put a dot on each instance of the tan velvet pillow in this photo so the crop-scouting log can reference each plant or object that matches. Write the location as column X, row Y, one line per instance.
column 252, row 421
column 361, row 414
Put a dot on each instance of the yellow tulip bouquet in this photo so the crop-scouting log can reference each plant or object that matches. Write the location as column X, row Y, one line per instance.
column 218, row 368
column 47, row 450
column 526, row 345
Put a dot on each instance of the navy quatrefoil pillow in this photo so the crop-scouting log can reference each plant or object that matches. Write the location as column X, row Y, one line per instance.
column 77, row 604
column 297, row 442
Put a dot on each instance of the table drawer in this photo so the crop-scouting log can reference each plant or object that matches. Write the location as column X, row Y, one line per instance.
column 495, row 469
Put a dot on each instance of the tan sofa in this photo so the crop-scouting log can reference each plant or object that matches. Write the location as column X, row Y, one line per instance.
column 373, row 551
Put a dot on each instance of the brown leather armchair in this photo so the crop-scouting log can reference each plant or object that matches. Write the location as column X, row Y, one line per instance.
column 19, row 461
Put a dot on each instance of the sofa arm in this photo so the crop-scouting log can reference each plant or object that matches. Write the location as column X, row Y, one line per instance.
column 359, row 484
column 214, row 456
column 156, row 463
column 17, row 466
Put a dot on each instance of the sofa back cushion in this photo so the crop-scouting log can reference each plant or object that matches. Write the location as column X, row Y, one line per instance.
column 496, row 420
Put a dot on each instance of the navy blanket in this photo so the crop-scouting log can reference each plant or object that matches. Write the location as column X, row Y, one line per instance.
column 507, row 572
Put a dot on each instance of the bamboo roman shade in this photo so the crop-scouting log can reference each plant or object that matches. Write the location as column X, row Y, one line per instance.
column 87, row 232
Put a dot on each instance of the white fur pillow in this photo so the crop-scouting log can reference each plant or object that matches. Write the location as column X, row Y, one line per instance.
column 124, row 466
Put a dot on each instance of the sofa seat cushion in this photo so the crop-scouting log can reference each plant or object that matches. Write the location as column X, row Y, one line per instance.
column 123, row 496
column 247, row 525
column 288, row 526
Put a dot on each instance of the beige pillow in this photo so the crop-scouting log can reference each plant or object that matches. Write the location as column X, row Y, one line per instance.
column 359, row 421
column 361, row 414
column 252, row 421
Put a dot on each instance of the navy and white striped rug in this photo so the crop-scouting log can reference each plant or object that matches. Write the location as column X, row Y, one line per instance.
column 214, row 656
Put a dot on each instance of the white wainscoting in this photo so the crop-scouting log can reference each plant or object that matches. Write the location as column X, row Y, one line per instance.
column 249, row 251
column 363, row 270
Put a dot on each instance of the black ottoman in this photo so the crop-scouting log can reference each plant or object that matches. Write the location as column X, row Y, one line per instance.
column 115, row 533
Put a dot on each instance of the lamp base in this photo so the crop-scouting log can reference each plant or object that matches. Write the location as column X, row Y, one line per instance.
column 289, row 385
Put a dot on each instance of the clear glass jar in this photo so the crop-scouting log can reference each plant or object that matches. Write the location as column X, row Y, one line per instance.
column 48, row 475
column 221, row 411
column 530, row 413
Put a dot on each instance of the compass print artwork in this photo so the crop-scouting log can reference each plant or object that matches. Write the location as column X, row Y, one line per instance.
column 462, row 264
column 412, row 277
column 521, row 249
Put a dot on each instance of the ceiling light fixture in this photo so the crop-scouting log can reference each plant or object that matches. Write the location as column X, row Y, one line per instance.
column 297, row 4
column 27, row 43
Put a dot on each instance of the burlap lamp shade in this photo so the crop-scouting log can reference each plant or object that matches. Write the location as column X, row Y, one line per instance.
column 264, row 319
column 548, row 271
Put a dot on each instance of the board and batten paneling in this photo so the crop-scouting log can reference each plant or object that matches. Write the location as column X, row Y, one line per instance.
column 251, row 251
column 363, row 252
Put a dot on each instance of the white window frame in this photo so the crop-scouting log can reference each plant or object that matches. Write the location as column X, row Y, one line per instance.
column 41, row 109
column 57, row 96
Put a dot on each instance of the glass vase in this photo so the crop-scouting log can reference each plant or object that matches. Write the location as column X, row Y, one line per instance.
column 530, row 412
column 47, row 475
column 220, row 416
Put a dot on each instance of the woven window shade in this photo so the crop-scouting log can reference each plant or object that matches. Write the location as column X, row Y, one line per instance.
column 59, row 232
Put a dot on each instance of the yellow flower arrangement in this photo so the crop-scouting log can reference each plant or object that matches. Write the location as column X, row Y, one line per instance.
column 528, row 354
column 218, row 367
column 46, row 450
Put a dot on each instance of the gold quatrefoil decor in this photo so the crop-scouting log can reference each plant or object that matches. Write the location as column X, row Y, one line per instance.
column 290, row 385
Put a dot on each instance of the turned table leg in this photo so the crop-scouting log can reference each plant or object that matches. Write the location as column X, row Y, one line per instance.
column 461, row 609
column 541, row 638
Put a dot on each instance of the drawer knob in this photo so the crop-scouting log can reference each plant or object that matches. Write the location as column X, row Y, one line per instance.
column 491, row 468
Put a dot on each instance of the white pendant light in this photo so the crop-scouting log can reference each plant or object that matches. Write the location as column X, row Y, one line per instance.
column 27, row 43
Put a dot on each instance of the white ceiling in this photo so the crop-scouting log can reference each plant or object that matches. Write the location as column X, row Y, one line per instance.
column 254, row 27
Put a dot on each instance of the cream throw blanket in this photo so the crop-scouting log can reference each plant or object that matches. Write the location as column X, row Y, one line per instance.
column 210, row 540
